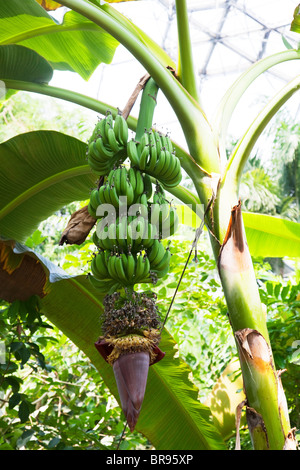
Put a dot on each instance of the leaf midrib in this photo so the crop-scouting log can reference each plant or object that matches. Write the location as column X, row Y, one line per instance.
column 184, row 411
column 50, row 29
column 41, row 185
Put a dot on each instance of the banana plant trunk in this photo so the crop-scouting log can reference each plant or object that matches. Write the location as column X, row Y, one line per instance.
column 266, row 407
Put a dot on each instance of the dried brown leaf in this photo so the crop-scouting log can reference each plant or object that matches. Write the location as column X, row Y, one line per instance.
column 78, row 228
column 21, row 275
column 49, row 5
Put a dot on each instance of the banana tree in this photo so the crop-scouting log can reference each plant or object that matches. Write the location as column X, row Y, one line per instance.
column 32, row 45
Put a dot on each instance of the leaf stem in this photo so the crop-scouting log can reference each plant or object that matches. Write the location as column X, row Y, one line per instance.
column 243, row 148
column 185, row 69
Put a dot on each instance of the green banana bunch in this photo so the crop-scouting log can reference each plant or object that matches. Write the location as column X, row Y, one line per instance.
column 163, row 215
column 99, row 265
column 129, row 269
column 127, row 234
column 155, row 156
column 122, row 182
column 94, row 202
column 107, row 145
column 159, row 258
column 104, row 287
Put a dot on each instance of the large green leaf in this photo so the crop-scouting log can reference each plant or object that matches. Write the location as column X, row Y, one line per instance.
column 42, row 171
column 76, row 44
column 171, row 416
column 272, row 237
column 20, row 63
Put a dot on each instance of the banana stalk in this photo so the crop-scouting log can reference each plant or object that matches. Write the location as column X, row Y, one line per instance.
column 266, row 408
column 147, row 108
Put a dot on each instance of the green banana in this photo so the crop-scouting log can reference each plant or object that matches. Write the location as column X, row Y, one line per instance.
column 154, row 250
column 129, row 193
column 113, row 143
column 154, row 213
column 130, row 267
column 95, row 155
column 98, row 168
column 164, row 263
column 101, row 273
column 140, row 229
column 108, row 124
column 139, row 268
column 167, row 165
column 100, row 128
column 147, row 185
column 160, row 163
column 101, row 264
column 123, row 181
column 103, row 150
column 139, row 184
column 156, row 254
column 94, row 198
column 91, row 211
column 158, row 142
column 101, row 286
column 121, row 276
column 144, row 157
column 113, row 196
column 144, row 202
column 121, row 129
column 169, row 145
column 147, row 268
column 144, row 142
column 169, row 168
column 132, row 153
column 112, row 268
column 149, row 236
column 132, row 177
column 153, row 154
column 124, row 262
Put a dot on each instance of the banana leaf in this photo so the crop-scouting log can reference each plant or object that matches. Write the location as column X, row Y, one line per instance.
column 76, row 44
column 171, row 416
column 20, row 63
column 41, row 172
column 272, row 237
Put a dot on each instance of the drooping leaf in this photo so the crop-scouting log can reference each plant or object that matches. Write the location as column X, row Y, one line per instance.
column 41, row 172
column 171, row 415
column 243, row 148
column 76, row 44
column 20, row 63
column 49, row 5
column 233, row 95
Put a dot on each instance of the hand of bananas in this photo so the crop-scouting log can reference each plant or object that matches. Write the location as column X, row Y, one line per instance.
column 130, row 246
column 154, row 155
column 107, row 145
